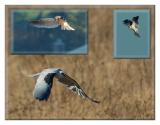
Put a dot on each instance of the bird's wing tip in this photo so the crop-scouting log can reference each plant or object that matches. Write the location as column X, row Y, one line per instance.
column 97, row 102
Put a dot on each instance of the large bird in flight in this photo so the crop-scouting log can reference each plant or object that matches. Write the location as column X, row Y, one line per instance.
column 44, row 84
column 52, row 23
column 133, row 25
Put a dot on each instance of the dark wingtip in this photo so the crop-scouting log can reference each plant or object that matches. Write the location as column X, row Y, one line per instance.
column 135, row 19
column 124, row 21
column 127, row 22
column 96, row 101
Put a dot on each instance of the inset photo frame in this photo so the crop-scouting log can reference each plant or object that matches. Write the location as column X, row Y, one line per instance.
column 49, row 31
column 132, row 33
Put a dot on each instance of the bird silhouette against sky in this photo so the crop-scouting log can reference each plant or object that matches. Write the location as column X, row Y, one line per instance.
column 52, row 23
column 44, row 84
column 133, row 25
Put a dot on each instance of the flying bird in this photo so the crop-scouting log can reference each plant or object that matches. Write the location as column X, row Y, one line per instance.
column 52, row 23
column 44, row 84
column 133, row 25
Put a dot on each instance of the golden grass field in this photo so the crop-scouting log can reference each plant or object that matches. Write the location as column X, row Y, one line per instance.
column 125, row 87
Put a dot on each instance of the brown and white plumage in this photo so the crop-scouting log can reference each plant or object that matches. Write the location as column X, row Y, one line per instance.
column 73, row 85
column 52, row 23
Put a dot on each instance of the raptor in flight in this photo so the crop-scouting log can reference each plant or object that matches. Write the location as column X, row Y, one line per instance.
column 52, row 23
column 133, row 25
column 44, row 84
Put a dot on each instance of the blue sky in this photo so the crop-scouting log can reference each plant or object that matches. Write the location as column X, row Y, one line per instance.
column 126, row 44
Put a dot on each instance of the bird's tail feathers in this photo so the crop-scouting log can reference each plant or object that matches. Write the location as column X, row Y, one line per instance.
column 137, row 34
column 67, row 27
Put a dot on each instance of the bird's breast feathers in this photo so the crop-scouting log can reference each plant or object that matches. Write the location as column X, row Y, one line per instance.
column 134, row 27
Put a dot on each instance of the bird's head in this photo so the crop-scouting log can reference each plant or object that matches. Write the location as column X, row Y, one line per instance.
column 57, row 17
column 60, row 17
column 63, row 18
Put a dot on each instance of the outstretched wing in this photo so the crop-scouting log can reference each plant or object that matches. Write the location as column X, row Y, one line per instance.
column 135, row 19
column 127, row 22
column 74, row 86
column 44, row 23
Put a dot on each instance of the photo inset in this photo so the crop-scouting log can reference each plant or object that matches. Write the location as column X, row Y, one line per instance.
column 131, row 34
column 47, row 31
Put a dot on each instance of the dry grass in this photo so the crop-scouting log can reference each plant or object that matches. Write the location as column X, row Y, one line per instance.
column 125, row 87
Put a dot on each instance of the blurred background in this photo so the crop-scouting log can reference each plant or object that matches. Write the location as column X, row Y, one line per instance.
column 124, row 87
column 27, row 39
